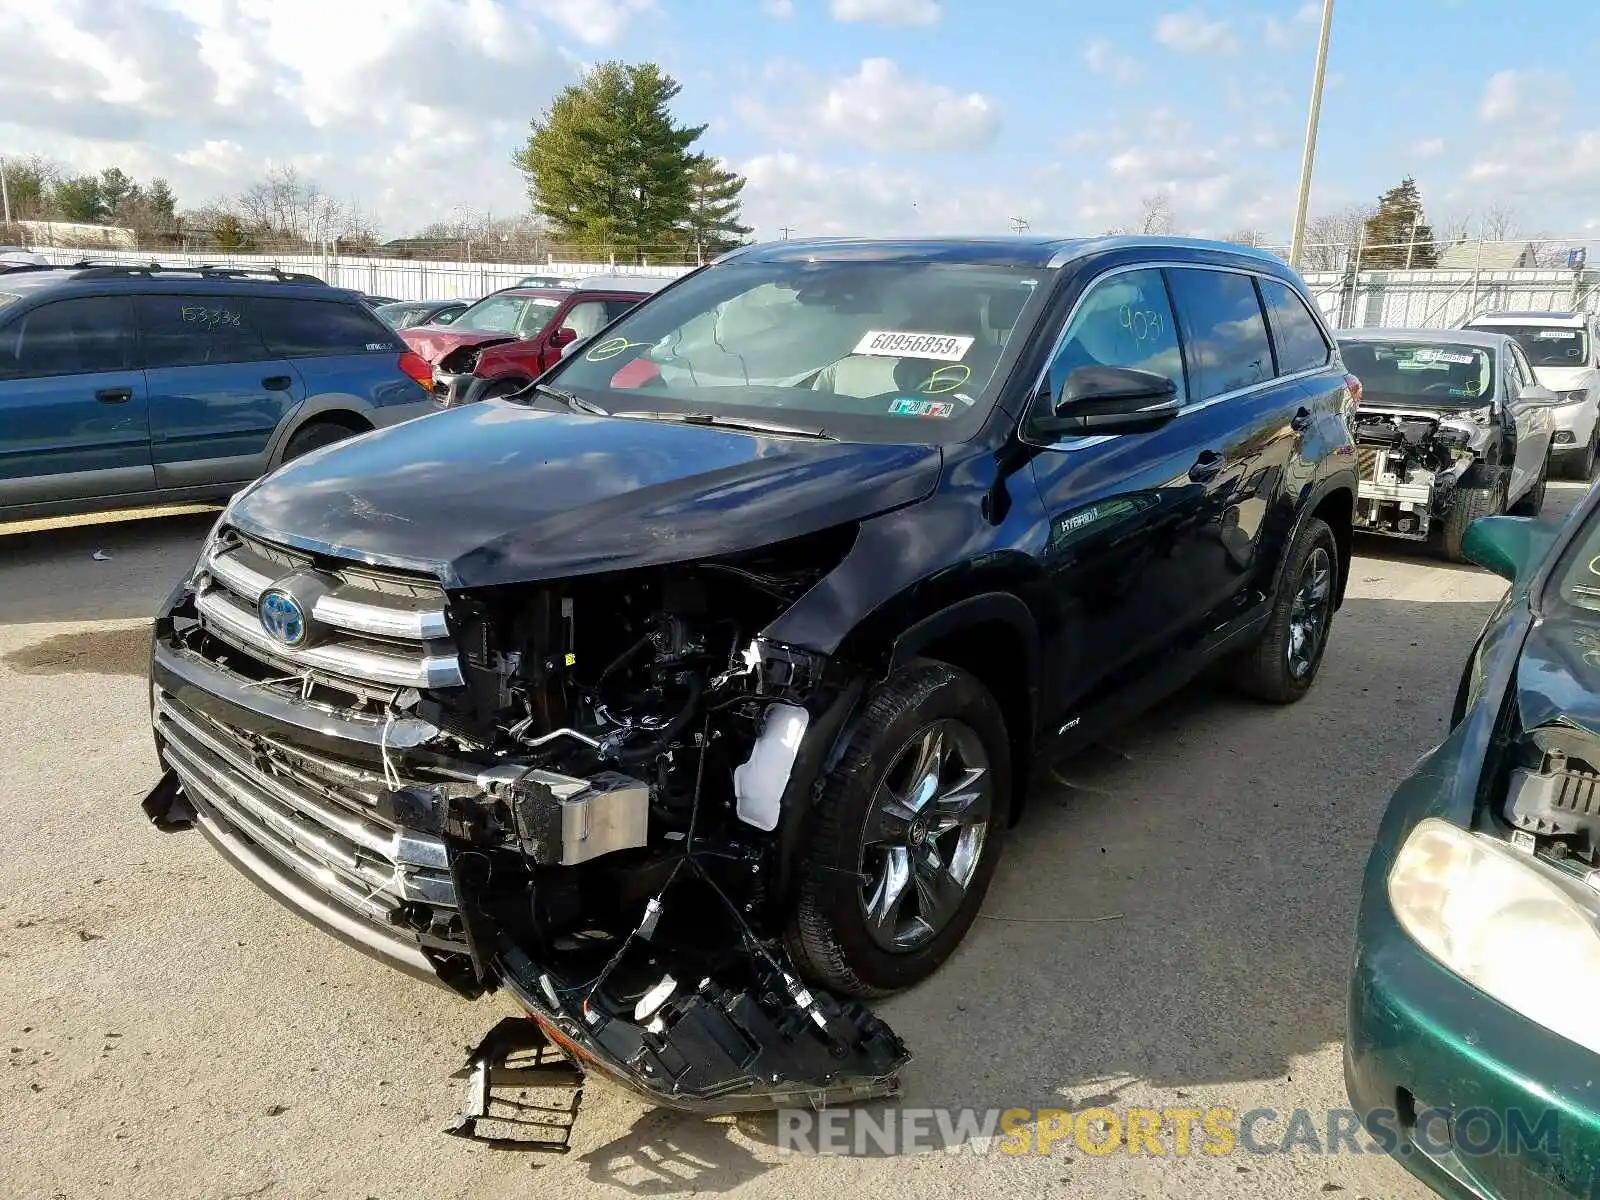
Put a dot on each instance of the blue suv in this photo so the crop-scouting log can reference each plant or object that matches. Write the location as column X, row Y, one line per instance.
column 128, row 385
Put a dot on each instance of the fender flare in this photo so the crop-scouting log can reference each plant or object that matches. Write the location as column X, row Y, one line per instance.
column 833, row 728
column 311, row 409
column 1344, row 479
column 1005, row 608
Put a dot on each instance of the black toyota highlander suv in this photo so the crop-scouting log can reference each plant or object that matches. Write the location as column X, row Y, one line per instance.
column 713, row 666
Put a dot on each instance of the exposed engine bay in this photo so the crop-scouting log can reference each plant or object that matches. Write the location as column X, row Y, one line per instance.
column 588, row 808
column 1554, row 793
column 1410, row 463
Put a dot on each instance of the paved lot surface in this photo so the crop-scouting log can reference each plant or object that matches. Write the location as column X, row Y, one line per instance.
column 171, row 1032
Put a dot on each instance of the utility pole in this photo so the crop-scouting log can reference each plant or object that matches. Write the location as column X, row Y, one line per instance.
column 784, row 231
column 5, row 194
column 1297, row 242
column 1411, row 246
column 1020, row 224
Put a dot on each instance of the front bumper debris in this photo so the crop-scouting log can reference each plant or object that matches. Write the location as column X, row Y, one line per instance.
column 537, row 1067
column 453, row 389
column 294, row 796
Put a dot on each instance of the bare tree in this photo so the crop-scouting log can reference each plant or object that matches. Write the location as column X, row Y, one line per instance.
column 1331, row 238
column 1500, row 223
column 1156, row 213
column 1253, row 238
column 1455, row 226
column 286, row 208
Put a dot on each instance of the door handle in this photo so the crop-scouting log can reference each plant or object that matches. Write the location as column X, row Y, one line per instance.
column 1301, row 421
column 276, row 383
column 1206, row 466
column 116, row 395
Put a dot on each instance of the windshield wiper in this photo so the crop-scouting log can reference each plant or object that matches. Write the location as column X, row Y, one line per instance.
column 574, row 402
column 750, row 426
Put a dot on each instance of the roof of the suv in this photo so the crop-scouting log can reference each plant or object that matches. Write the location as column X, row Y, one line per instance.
column 1522, row 318
column 136, row 277
column 620, row 283
column 1426, row 337
column 1016, row 251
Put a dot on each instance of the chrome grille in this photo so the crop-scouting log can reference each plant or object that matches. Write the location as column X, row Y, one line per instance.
column 316, row 817
column 382, row 629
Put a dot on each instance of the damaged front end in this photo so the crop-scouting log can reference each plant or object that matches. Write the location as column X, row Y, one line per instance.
column 581, row 790
column 1411, row 463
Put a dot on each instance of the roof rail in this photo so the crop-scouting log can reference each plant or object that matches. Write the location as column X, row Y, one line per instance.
column 104, row 268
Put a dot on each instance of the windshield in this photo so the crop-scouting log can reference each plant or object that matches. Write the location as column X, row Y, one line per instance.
column 900, row 351
column 524, row 315
column 1431, row 373
column 1547, row 345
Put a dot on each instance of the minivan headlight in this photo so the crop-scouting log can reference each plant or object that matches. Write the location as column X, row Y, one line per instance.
column 1503, row 922
column 1574, row 396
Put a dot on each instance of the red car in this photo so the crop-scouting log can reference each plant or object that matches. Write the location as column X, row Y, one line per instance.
column 507, row 339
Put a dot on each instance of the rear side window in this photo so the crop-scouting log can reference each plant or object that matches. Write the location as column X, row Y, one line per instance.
column 187, row 331
column 298, row 328
column 1224, row 332
column 1295, row 332
column 69, row 337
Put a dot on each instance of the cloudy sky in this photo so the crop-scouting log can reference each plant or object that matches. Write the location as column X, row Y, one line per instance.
column 864, row 116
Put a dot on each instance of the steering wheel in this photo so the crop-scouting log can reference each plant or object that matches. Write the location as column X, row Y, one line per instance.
column 944, row 379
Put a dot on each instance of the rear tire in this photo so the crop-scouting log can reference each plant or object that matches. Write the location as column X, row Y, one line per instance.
column 892, row 879
column 1467, row 506
column 313, row 436
column 1282, row 666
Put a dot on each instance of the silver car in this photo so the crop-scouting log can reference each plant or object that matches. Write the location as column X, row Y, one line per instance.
column 1451, row 426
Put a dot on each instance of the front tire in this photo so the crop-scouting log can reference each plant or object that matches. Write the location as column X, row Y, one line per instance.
column 1281, row 667
column 1466, row 507
column 902, row 844
column 1532, row 500
column 503, row 387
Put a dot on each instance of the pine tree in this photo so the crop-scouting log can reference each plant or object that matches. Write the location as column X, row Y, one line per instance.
column 78, row 200
column 606, row 164
column 1398, row 234
column 714, row 207
column 118, row 194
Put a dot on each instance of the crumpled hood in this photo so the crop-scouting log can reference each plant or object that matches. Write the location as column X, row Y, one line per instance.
column 497, row 493
column 1558, row 675
column 433, row 342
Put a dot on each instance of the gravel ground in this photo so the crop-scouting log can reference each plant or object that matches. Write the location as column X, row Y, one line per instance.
column 172, row 1032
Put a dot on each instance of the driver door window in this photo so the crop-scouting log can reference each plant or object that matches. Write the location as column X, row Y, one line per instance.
column 1123, row 321
column 1516, row 375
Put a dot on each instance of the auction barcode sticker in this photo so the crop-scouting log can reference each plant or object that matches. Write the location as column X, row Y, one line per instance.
column 888, row 343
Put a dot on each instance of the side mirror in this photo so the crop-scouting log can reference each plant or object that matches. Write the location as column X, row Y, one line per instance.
column 1538, row 397
column 564, row 336
column 1104, row 400
column 1508, row 546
